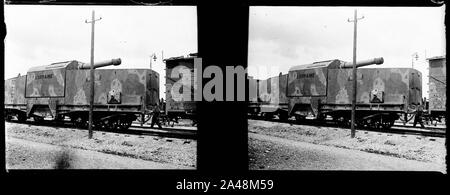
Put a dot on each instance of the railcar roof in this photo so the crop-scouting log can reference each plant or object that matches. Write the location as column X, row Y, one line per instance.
column 180, row 58
column 320, row 64
column 52, row 66
column 436, row 58
column 190, row 56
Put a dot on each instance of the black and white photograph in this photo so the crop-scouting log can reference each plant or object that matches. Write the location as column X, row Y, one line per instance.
column 265, row 96
column 347, row 88
column 89, row 87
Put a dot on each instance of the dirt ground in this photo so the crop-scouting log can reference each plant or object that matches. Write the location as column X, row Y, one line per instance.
column 411, row 147
column 173, row 151
column 24, row 154
column 273, row 153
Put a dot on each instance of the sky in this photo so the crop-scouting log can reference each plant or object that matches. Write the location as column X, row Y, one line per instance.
column 40, row 35
column 282, row 37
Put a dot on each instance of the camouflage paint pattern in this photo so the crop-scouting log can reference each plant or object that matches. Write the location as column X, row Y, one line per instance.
column 45, row 83
column 306, row 105
column 273, row 90
column 394, row 82
column 437, row 84
column 307, row 82
column 62, row 87
column 15, row 90
column 135, row 86
column 327, row 83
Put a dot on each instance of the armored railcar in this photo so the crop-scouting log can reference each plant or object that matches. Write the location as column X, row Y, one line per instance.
column 61, row 90
column 271, row 97
column 437, row 86
column 324, row 89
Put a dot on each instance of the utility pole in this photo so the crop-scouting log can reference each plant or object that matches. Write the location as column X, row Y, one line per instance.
column 355, row 22
column 91, row 103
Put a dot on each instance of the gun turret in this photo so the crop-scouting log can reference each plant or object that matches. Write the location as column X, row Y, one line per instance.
column 376, row 61
column 114, row 62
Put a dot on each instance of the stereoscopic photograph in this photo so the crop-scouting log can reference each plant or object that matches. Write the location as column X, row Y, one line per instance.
column 90, row 87
column 347, row 88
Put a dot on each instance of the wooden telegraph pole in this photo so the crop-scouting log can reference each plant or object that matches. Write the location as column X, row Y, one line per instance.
column 91, row 103
column 355, row 21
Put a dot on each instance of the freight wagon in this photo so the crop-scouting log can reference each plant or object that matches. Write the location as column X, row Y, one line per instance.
column 181, row 87
column 61, row 90
column 324, row 89
column 270, row 99
column 438, row 87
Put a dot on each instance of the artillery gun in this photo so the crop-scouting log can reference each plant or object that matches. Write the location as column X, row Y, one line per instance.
column 324, row 89
column 376, row 61
column 114, row 62
column 62, row 90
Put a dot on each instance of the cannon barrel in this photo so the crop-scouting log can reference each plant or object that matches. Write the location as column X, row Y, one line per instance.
column 114, row 62
column 377, row 61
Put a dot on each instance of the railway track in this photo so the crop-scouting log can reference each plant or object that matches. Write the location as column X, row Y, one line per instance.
column 427, row 131
column 169, row 132
column 426, row 127
column 164, row 132
column 396, row 129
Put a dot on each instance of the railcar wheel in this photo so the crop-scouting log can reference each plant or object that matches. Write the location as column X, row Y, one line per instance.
column 79, row 122
column 321, row 117
column 169, row 120
column 381, row 122
column 299, row 118
column 8, row 117
column 268, row 116
column 38, row 119
column 362, row 123
column 123, row 124
column 345, row 122
column 60, row 118
column 283, row 116
column 165, row 120
column 387, row 124
column 102, row 125
column 21, row 117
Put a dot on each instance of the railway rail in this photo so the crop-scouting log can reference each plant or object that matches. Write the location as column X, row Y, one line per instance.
column 396, row 129
column 169, row 132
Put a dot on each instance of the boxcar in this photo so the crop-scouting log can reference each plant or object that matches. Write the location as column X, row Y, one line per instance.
column 437, row 87
column 181, row 87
